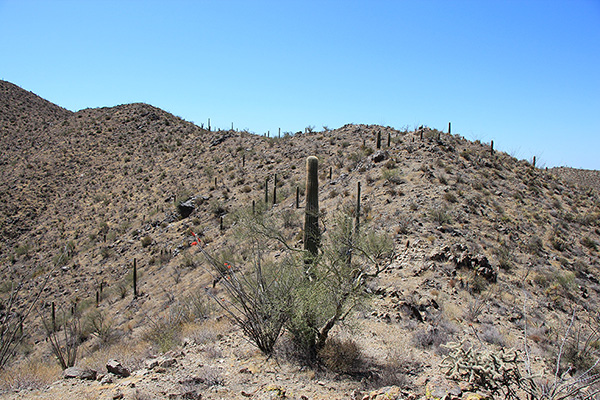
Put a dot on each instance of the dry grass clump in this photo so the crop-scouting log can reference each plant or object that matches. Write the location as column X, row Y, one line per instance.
column 434, row 335
column 343, row 356
column 30, row 374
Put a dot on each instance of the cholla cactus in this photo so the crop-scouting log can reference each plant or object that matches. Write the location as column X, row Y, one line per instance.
column 497, row 371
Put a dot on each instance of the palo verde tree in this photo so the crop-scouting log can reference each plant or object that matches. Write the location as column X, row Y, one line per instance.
column 274, row 289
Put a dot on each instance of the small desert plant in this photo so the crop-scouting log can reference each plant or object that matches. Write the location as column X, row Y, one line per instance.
column 392, row 176
column 64, row 340
column 440, row 215
column 146, row 241
column 165, row 331
column 505, row 257
column 535, row 245
column 342, row 356
column 16, row 308
column 450, row 197
column 100, row 326
column 582, row 382
column 434, row 335
column 589, row 243
column 496, row 371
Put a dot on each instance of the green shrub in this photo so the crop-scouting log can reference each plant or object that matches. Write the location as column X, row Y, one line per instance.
column 440, row 215
column 146, row 241
column 589, row 243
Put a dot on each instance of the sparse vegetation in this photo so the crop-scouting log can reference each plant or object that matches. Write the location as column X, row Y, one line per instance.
column 87, row 193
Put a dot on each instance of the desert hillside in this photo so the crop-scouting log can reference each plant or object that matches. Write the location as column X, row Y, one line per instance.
column 489, row 251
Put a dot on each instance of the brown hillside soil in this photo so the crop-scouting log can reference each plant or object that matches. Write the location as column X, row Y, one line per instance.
column 486, row 246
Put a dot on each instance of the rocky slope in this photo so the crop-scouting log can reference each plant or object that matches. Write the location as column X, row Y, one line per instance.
column 486, row 245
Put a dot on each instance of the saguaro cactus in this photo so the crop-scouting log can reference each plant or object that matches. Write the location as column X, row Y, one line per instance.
column 275, row 190
column 135, row 291
column 378, row 139
column 311, row 210
column 266, row 191
column 357, row 222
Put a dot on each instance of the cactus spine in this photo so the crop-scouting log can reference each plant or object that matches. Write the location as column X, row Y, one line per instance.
column 311, row 210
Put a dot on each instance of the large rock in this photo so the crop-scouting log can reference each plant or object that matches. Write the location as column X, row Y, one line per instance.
column 79, row 373
column 115, row 367
column 379, row 156
column 186, row 208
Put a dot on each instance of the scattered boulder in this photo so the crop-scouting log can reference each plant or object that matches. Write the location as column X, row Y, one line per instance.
column 115, row 367
column 79, row 373
column 462, row 258
column 106, row 379
column 186, row 208
column 379, row 156
column 389, row 392
column 441, row 388
column 161, row 362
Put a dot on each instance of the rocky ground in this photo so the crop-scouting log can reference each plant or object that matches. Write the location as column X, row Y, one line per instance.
column 487, row 246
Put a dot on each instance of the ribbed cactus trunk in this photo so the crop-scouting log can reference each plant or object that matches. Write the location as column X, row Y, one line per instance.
column 311, row 210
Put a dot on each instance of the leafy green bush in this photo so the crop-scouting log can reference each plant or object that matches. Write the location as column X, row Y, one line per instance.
column 307, row 298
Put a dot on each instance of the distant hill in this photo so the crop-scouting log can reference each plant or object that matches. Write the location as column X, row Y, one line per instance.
column 485, row 245
column 584, row 178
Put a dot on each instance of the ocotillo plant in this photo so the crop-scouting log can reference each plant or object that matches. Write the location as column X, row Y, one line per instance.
column 311, row 210
column 53, row 317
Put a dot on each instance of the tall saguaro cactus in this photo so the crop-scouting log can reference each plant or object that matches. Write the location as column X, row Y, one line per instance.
column 311, row 210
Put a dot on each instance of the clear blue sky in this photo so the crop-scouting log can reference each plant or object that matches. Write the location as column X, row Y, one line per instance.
column 525, row 74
